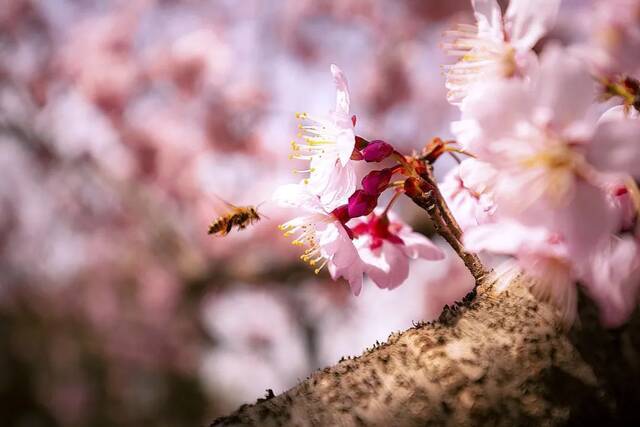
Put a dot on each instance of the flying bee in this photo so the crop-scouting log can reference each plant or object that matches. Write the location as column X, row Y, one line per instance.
column 238, row 216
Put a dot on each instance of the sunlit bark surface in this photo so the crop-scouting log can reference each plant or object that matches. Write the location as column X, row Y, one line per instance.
column 501, row 359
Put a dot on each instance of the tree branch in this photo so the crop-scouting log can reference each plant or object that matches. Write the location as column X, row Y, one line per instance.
column 498, row 359
column 430, row 203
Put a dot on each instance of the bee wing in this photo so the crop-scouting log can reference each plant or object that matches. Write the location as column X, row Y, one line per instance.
column 222, row 207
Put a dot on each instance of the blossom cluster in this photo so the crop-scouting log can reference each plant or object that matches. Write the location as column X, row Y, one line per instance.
column 550, row 178
column 341, row 227
column 553, row 179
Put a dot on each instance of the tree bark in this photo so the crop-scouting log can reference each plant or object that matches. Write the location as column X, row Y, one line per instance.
column 496, row 359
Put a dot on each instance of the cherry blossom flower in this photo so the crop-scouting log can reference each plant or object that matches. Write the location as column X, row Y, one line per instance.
column 328, row 145
column 538, row 136
column 615, row 147
column 497, row 46
column 386, row 245
column 543, row 255
column 554, row 164
column 616, row 36
column 466, row 190
column 613, row 280
column 327, row 239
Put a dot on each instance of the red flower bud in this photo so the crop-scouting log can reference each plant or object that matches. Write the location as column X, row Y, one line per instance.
column 377, row 151
column 376, row 181
column 361, row 203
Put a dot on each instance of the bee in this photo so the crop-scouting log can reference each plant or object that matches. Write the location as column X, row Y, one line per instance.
column 238, row 216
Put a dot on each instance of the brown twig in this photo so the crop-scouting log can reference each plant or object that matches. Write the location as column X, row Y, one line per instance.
column 441, row 203
column 430, row 203
column 422, row 188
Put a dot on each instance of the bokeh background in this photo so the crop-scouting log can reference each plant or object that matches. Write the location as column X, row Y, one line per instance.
column 120, row 124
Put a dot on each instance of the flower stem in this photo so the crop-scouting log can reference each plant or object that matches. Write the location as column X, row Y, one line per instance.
column 391, row 202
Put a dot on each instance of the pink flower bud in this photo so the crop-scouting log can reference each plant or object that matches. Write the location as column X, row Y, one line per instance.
column 376, row 181
column 377, row 151
column 361, row 203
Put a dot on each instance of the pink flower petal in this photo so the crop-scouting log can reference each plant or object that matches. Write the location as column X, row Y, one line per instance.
column 418, row 246
column 616, row 147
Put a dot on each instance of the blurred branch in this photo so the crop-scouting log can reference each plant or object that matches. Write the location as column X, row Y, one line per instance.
column 498, row 359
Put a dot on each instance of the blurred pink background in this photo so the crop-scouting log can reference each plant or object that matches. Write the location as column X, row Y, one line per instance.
column 120, row 122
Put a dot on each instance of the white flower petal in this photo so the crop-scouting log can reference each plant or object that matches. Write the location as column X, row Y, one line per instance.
column 342, row 93
column 564, row 87
column 489, row 17
column 339, row 187
column 294, row 196
column 527, row 21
